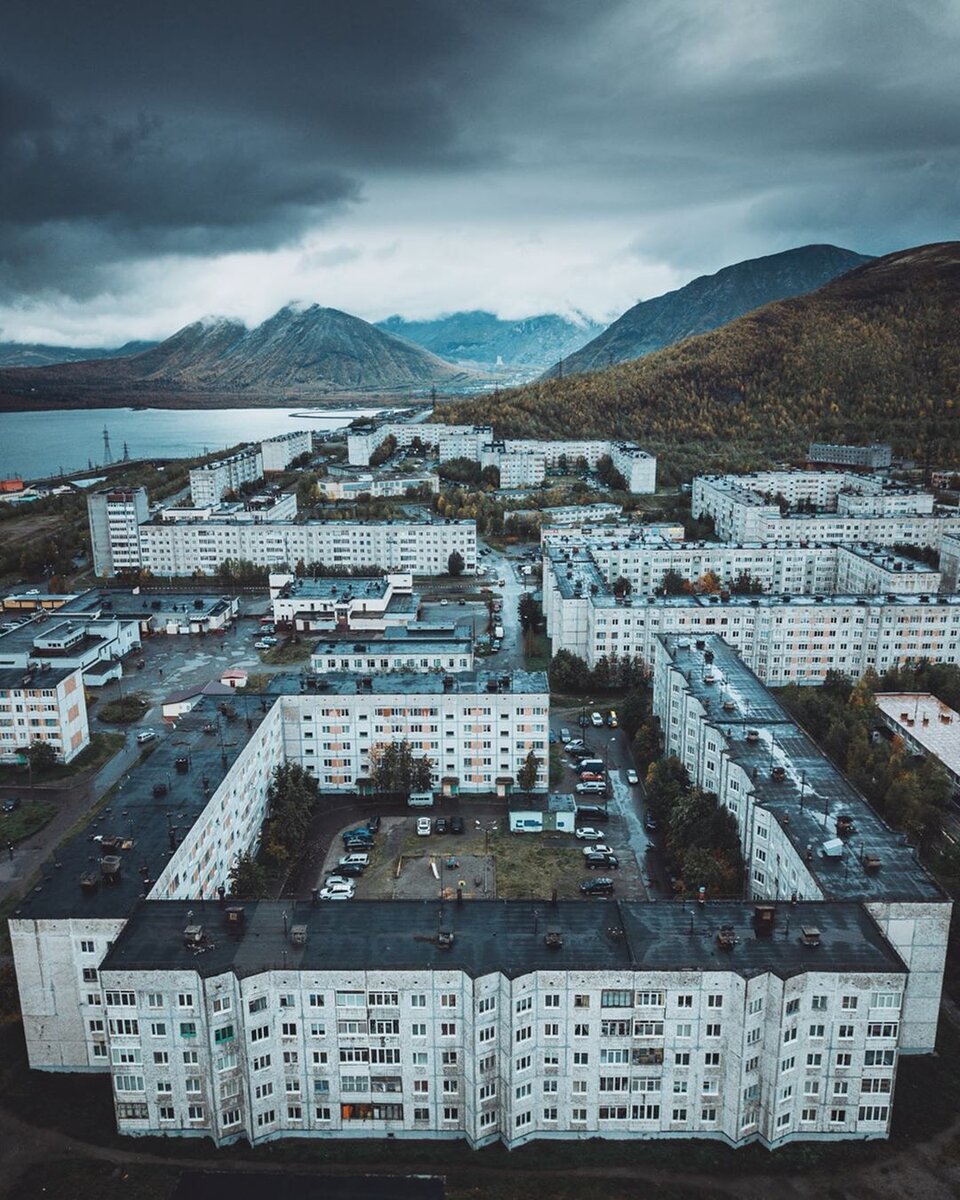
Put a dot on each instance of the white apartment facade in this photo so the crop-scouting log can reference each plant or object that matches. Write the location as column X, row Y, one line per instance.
column 277, row 453
column 477, row 728
column 346, row 602
column 805, row 832
column 45, row 705
column 385, row 653
column 209, row 484
column 377, row 485
column 847, row 508
column 875, row 457
column 927, row 726
column 416, row 1043
column 950, row 561
column 115, row 517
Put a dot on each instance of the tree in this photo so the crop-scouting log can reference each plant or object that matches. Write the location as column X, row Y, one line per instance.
column 530, row 612
column 746, row 584
column 41, row 755
column 527, row 775
column 673, row 584
column 386, row 448
column 568, row 672
column 455, row 563
column 395, row 768
column 622, row 587
column 490, row 476
column 248, row 880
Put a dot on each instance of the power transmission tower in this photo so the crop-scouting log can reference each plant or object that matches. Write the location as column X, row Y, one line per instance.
column 107, row 452
column 126, row 452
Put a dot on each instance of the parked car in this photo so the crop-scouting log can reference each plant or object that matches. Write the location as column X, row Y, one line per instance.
column 650, row 823
column 571, row 744
column 11, row 804
column 632, row 777
column 601, row 886
column 596, row 720
column 335, row 894
column 361, row 831
column 553, row 737
column 456, row 824
column 440, row 825
column 340, row 880
column 261, row 645
column 358, row 857
column 564, row 734
column 271, row 641
column 361, row 844
column 596, row 848
column 601, row 862
column 591, row 788
column 350, row 869
column 373, row 823
column 424, row 826
column 592, row 812
column 588, row 834
column 145, row 735
column 612, row 719
column 583, row 719
column 592, row 777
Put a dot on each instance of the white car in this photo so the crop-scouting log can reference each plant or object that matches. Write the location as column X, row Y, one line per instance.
column 596, row 719
column 597, row 848
column 359, row 858
column 261, row 645
column 444, row 602
column 271, row 641
column 338, row 881
column 588, row 834
column 633, row 778
column 338, row 891
column 423, row 826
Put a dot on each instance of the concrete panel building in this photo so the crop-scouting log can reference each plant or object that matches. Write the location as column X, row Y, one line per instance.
column 43, row 705
column 927, row 726
column 115, row 517
column 277, row 453
column 209, row 484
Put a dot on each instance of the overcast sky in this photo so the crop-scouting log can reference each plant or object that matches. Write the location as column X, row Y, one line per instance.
column 166, row 161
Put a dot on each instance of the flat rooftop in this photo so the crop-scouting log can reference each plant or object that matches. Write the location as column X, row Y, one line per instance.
column 15, row 678
column 928, row 721
column 109, row 602
column 760, row 735
column 340, row 587
column 464, row 683
column 501, row 936
column 142, row 820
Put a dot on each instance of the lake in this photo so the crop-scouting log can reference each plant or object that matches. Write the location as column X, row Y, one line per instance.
column 34, row 445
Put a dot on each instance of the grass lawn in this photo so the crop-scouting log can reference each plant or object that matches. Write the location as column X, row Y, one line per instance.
column 103, row 746
column 68, row 1178
column 28, row 818
column 536, row 651
column 286, row 653
column 123, row 711
column 528, row 865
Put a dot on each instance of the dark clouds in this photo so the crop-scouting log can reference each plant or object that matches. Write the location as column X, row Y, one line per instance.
column 686, row 133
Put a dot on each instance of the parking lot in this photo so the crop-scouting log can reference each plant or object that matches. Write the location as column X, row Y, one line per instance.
column 486, row 861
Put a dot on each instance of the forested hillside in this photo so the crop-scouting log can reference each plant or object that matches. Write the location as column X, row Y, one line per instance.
column 874, row 354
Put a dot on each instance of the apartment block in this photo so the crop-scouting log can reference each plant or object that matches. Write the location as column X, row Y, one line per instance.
column 806, row 833
column 277, row 453
column 115, row 517
column 927, row 726
column 477, row 727
column 831, row 506
column 42, row 705
column 209, row 484
column 501, row 1022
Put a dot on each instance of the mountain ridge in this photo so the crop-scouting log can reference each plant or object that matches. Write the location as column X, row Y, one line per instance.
column 874, row 353
column 306, row 351
column 710, row 301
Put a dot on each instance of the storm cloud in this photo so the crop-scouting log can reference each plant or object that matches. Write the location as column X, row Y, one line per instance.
column 157, row 162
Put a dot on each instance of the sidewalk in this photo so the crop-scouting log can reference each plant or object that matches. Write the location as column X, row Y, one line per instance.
column 73, row 802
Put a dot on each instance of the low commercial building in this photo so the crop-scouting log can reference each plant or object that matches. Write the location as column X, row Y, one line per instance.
column 581, row 514
column 42, row 705
column 414, row 647
column 158, row 612
column 94, row 645
column 554, row 812
column 211, row 483
column 927, row 726
column 377, row 485
column 343, row 602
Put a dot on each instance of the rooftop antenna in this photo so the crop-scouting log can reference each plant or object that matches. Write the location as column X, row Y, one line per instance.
column 107, row 452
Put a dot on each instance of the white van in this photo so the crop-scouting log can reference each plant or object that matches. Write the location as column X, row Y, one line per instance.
column 145, row 735
column 420, row 800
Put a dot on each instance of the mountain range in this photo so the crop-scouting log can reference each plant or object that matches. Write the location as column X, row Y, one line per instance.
column 872, row 354
column 297, row 353
column 480, row 339
column 708, row 302
column 35, row 354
